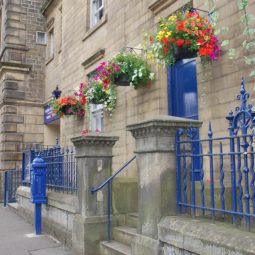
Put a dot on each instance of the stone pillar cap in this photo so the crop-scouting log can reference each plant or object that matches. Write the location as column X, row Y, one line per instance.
column 165, row 121
column 95, row 139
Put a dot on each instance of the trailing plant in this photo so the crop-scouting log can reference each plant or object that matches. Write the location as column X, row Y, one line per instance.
column 135, row 67
column 187, row 30
column 69, row 105
column 97, row 92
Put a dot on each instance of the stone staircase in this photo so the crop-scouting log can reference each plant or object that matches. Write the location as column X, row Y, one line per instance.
column 122, row 238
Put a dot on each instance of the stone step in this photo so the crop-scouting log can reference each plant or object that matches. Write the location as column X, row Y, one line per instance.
column 114, row 248
column 13, row 206
column 124, row 234
column 132, row 220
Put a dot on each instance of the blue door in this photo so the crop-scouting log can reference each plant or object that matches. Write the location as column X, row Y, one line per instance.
column 183, row 101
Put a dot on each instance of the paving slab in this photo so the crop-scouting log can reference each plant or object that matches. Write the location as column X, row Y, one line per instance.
column 17, row 237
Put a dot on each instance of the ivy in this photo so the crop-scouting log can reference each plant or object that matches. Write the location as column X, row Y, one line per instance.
column 232, row 53
column 225, row 43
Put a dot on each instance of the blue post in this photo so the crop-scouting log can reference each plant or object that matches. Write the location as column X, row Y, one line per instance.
column 185, row 199
column 109, row 212
column 5, row 188
column 38, row 219
column 202, row 179
column 210, row 134
column 222, row 193
column 240, row 176
column 23, row 175
column 230, row 119
column 178, row 172
column 38, row 191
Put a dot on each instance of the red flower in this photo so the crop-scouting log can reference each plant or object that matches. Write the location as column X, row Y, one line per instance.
column 180, row 42
column 83, row 100
column 205, row 51
column 180, row 25
column 151, row 38
column 200, row 41
column 165, row 40
column 84, row 131
column 165, row 50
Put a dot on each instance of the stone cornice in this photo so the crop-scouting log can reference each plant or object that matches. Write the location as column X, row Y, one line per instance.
column 45, row 6
column 159, row 5
column 13, row 47
column 161, row 126
column 14, row 66
column 92, row 139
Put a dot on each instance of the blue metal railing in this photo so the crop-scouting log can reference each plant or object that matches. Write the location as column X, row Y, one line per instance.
column 12, row 180
column 108, row 183
column 61, row 169
column 227, row 175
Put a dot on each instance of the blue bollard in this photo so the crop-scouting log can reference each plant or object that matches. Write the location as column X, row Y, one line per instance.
column 38, row 191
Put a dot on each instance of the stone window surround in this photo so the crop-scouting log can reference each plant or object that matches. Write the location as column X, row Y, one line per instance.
column 95, row 57
column 95, row 11
column 50, row 29
column 92, row 30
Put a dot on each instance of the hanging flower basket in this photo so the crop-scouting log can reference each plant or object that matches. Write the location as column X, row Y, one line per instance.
column 69, row 105
column 134, row 70
column 67, row 110
column 181, row 52
column 187, row 31
column 122, row 80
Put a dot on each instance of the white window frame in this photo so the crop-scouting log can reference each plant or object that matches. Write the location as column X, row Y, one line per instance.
column 94, row 12
column 96, row 117
column 51, row 43
column 37, row 37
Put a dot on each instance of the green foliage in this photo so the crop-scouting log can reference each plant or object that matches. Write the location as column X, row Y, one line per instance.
column 232, row 53
column 225, row 43
column 97, row 93
column 249, row 60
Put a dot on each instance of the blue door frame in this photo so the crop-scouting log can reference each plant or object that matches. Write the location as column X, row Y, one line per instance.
column 183, row 100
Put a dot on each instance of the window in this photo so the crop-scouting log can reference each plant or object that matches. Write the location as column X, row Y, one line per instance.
column 97, row 11
column 51, row 44
column 96, row 117
column 40, row 37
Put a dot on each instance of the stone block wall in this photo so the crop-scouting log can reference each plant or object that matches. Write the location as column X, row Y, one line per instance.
column 22, row 71
column 57, row 214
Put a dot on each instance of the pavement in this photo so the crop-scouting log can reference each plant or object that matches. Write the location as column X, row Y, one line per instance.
column 17, row 237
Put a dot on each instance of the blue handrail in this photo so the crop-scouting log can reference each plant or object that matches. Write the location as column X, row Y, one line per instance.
column 108, row 182
column 93, row 190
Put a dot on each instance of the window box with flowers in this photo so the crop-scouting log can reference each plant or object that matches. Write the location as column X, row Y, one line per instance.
column 186, row 31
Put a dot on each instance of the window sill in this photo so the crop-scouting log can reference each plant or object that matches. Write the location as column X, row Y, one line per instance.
column 92, row 30
column 49, row 60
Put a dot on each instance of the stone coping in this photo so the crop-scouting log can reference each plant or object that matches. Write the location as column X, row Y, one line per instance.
column 165, row 121
column 95, row 139
column 62, row 201
column 203, row 237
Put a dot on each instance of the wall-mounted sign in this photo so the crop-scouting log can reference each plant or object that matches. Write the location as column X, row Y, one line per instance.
column 49, row 115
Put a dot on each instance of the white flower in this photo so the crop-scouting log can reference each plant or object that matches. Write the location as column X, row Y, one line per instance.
column 152, row 76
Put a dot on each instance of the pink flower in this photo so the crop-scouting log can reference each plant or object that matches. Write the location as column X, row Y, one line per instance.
column 84, row 131
column 97, row 130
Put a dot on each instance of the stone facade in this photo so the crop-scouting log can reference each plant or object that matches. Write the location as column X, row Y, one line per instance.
column 123, row 25
column 22, row 71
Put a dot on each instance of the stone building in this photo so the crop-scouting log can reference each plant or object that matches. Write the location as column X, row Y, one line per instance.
column 21, row 78
column 82, row 33
column 79, row 39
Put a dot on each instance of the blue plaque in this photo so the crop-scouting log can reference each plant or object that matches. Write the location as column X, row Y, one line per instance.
column 49, row 115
